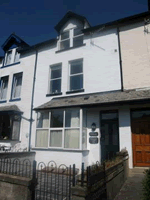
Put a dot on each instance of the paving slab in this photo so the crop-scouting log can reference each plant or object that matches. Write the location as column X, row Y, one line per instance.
column 132, row 188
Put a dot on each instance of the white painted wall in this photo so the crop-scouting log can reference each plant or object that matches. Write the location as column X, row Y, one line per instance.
column 125, row 134
column 26, row 66
column 101, row 73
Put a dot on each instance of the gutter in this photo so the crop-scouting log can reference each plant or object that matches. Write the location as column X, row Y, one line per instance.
column 32, row 100
column 120, row 59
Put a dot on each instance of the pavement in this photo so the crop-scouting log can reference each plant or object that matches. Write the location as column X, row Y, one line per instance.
column 132, row 188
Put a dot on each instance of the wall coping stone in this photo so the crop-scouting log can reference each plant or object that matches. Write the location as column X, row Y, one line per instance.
column 15, row 179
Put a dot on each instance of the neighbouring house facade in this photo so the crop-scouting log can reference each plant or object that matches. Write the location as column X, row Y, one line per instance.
column 16, row 77
column 86, row 92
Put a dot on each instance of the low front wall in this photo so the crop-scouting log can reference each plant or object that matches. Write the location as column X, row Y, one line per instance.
column 60, row 157
column 15, row 187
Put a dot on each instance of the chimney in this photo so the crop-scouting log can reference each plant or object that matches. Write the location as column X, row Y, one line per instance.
column 148, row 5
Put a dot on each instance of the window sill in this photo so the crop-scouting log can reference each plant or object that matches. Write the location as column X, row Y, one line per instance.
column 8, row 140
column 54, row 149
column 74, row 91
column 3, row 101
column 53, row 94
column 59, row 51
column 17, row 99
column 11, row 64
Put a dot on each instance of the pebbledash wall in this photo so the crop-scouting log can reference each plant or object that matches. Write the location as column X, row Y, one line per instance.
column 101, row 72
column 27, row 63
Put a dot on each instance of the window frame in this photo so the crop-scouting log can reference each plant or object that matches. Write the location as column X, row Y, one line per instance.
column 14, row 85
column 12, row 120
column 63, row 130
column 13, row 56
column 58, row 65
column 2, row 87
column 71, row 38
column 69, row 85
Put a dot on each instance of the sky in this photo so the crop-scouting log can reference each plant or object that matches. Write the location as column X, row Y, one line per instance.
column 34, row 20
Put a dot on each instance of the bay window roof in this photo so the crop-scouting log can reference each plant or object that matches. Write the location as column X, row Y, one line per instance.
column 104, row 98
column 10, row 108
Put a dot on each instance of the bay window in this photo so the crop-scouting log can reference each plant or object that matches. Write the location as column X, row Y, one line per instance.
column 59, row 129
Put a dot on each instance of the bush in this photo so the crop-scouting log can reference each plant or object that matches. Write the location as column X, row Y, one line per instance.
column 146, row 185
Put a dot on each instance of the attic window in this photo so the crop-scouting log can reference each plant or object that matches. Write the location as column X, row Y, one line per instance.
column 8, row 57
column 11, row 56
column 71, row 38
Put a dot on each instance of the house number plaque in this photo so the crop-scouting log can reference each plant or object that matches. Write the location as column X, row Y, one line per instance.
column 93, row 140
column 93, row 133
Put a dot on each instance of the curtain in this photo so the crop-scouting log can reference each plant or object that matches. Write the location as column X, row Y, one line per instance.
column 72, row 118
column 42, row 138
column 43, row 120
column 72, row 138
column 56, row 138
column 16, row 130
column 18, row 85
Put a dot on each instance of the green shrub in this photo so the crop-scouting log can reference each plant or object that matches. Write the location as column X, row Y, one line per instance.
column 146, row 185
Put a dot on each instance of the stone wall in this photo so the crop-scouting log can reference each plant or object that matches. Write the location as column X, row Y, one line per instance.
column 15, row 187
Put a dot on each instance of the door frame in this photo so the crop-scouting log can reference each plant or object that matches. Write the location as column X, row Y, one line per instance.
column 131, row 121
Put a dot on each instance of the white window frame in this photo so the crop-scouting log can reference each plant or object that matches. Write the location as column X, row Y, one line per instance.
column 71, row 37
column 14, row 84
column 63, row 130
column 54, row 67
column 2, row 87
column 71, row 61
column 13, row 56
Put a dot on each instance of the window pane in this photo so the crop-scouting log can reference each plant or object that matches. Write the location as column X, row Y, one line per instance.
column 8, row 57
column 76, row 67
column 16, row 130
column 64, row 44
column 17, row 56
column 65, row 35
column 17, row 83
column 84, row 138
column 76, row 82
column 55, row 73
column 107, row 116
column 77, row 41
column 72, row 138
column 77, row 31
column 42, row 138
column 140, row 113
column 43, row 120
column 4, row 86
column 72, row 118
column 56, row 138
column 55, row 86
column 57, row 118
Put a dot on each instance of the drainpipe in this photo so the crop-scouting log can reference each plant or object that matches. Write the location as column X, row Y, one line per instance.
column 32, row 100
column 120, row 59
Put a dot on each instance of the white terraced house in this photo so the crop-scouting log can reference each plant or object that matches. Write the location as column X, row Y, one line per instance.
column 88, row 100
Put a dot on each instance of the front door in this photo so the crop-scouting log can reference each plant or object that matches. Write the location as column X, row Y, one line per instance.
column 109, row 134
column 140, row 124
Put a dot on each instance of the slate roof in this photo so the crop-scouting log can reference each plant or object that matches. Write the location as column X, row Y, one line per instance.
column 97, row 99
column 12, row 108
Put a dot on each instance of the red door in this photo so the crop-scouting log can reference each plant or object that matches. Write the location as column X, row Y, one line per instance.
column 141, row 141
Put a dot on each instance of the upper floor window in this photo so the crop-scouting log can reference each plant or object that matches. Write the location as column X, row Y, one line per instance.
column 16, row 87
column 8, row 57
column 76, row 75
column 71, row 38
column 3, row 87
column 11, row 56
column 55, row 79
